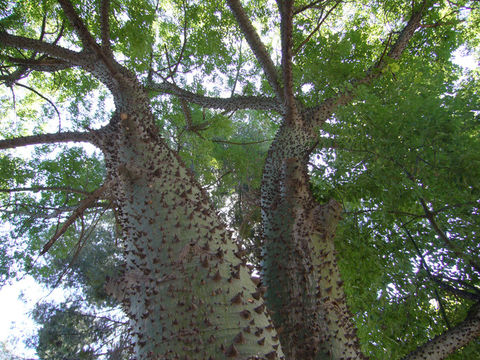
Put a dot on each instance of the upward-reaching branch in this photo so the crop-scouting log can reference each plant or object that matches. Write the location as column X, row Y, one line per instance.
column 319, row 114
column 257, row 46
column 286, row 31
column 408, row 31
column 78, row 24
column 88, row 41
column 105, row 24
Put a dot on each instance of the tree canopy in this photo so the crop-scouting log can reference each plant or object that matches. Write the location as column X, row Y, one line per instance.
column 389, row 128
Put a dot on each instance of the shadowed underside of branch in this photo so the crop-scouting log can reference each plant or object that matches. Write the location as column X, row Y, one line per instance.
column 229, row 104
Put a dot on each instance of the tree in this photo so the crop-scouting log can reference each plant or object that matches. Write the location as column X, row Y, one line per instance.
column 184, row 283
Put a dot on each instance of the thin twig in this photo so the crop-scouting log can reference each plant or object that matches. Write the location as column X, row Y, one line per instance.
column 82, row 239
column 424, row 264
column 46, row 99
column 76, row 214
column 184, row 45
column 431, row 219
column 319, row 25
column 308, row 6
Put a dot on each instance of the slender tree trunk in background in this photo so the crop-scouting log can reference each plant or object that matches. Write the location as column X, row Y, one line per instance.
column 305, row 291
column 186, row 292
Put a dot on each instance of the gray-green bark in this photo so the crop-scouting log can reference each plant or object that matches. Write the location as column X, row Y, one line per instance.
column 304, row 286
column 187, row 293
column 447, row 343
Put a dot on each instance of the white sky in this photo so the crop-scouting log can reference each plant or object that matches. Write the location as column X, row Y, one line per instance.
column 467, row 61
column 15, row 325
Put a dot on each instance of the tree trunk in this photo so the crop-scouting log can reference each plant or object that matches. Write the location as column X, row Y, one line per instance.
column 186, row 290
column 305, row 291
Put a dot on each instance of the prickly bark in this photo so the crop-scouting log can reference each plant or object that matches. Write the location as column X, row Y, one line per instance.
column 304, row 286
column 447, row 343
column 185, row 288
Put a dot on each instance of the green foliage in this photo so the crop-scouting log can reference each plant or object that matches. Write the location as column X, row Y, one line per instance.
column 35, row 216
column 410, row 138
column 68, row 332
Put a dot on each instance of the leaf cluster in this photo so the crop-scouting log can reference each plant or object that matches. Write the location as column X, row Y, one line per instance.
column 407, row 149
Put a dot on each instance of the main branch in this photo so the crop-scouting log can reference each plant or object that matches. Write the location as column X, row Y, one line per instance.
column 227, row 104
column 408, row 31
column 448, row 342
column 46, row 188
column 54, row 51
column 257, row 46
column 73, row 136
column 105, row 23
column 286, row 31
column 87, row 39
column 78, row 24
column 44, row 63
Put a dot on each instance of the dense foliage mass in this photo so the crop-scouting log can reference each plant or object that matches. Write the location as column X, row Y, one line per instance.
column 362, row 97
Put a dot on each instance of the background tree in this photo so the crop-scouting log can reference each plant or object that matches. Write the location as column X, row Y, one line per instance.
column 346, row 72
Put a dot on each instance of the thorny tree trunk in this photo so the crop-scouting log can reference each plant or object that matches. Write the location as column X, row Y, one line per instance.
column 305, row 291
column 186, row 292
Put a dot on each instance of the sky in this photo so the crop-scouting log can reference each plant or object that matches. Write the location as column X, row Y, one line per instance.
column 16, row 301
column 16, row 326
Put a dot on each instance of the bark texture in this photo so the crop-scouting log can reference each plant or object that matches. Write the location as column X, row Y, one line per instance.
column 185, row 288
column 304, row 286
column 185, row 285
column 447, row 343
